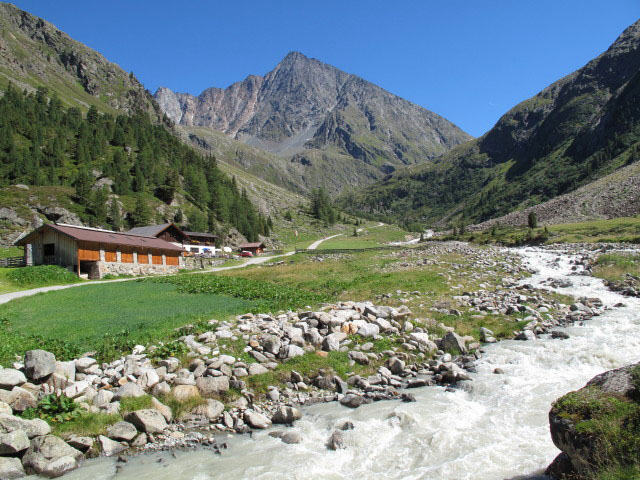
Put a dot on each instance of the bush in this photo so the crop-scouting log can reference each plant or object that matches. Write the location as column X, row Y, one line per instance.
column 54, row 409
column 41, row 276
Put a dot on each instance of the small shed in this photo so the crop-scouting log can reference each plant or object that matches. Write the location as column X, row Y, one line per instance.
column 253, row 247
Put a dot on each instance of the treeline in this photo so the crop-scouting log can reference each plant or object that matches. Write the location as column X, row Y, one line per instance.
column 44, row 143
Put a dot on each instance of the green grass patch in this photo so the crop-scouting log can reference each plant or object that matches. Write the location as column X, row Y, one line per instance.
column 266, row 295
column 614, row 266
column 86, row 424
column 41, row 276
column 110, row 318
column 181, row 408
column 7, row 252
column 133, row 404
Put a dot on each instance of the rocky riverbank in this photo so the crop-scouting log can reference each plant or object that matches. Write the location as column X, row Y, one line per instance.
column 258, row 370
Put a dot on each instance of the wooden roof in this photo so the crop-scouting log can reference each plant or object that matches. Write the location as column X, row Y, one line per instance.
column 95, row 235
column 252, row 245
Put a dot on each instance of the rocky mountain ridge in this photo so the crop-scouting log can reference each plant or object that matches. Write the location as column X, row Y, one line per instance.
column 581, row 128
column 317, row 116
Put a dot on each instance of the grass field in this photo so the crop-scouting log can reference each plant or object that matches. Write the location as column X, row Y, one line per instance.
column 614, row 266
column 87, row 317
column 6, row 252
column 371, row 236
column 616, row 230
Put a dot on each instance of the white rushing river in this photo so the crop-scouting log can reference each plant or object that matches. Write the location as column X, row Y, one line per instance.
column 497, row 430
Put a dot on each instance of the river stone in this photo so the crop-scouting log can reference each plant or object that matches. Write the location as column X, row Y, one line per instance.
column 423, row 339
column 452, row 342
column 122, row 431
column 162, row 408
column 76, row 389
column 257, row 369
column 286, row 415
column 103, row 398
column 85, row 363
column 209, row 386
column 256, row 420
column 336, row 441
column 24, row 399
column 39, row 364
column 352, row 401
column 13, row 442
column 11, row 468
column 33, row 428
column 51, row 456
column 291, row 438
column 66, row 370
column 10, row 377
column 526, row 335
column 395, row 365
column 129, row 390
column 81, row 443
column 5, row 408
column 212, row 409
column 330, row 343
column 161, row 389
column 148, row 420
column 109, row 447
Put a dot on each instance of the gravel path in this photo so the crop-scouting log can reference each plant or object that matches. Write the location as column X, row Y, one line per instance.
column 7, row 297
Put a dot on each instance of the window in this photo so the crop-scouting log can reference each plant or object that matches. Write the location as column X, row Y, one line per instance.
column 49, row 249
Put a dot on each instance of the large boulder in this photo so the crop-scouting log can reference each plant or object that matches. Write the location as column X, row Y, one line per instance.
column 109, row 447
column 271, row 344
column 336, row 441
column 256, row 420
column 291, row 351
column 257, row 369
column 395, row 365
column 11, row 468
column 33, row 428
column 209, row 386
column 369, row 330
column 453, row 343
column 39, row 364
column 12, row 443
column 129, row 390
column 185, row 392
column 148, row 420
column 211, row 409
column 10, row 377
column 122, row 431
column 51, row 456
column 148, row 379
column 423, row 341
column 286, row 415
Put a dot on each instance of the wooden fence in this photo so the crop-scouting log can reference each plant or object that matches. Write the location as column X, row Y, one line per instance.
column 12, row 262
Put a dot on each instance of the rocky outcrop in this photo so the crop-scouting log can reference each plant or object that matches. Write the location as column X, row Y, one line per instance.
column 583, row 453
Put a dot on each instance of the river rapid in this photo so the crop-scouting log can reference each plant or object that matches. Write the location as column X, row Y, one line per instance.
column 495, row 429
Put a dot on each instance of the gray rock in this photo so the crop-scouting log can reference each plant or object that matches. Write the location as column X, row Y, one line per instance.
column 11, row 468
column 256, row 420
column 109, row 447
column 395, row 365
column 293, row 351
column 272, row 344
column 291, row 438
column 122, row 431
column 39, row 364
column 51, row 456
column 85, row 363
column 148, row 420
column 369, row 330
column 66, row 370
column 212, row 409
column 330, row 343
column 103, row 398
column 336, row 441
column 10, row 377
column 5, row 408
column 81, row 443
column 359, row 358
column 452, row 342
column 12, row 443
column 257, row 369
column 286, row 415
column 526, row 335
column 129, row 390
column 23, row 399
column 352, row 401
column 209, row 386
column 140, row 440
column 345, row 425
column 33, row 428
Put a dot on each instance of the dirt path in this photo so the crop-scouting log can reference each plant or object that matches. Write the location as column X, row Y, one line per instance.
column 7, row 297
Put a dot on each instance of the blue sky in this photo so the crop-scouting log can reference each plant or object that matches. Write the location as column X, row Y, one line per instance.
column 469, row 61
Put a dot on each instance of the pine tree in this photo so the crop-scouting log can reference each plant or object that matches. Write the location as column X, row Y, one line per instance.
column 84, row 184
column 115, row 216
column 141, row 213
column 99, row 204
column 532, row 220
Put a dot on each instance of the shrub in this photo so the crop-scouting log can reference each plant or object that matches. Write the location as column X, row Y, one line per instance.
column 54, row 409
column 41, row 275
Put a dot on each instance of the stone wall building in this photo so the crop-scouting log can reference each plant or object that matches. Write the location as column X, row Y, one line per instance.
column 97, row 252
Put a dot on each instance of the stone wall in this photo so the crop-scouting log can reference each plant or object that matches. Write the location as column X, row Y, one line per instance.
column 100, row 269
